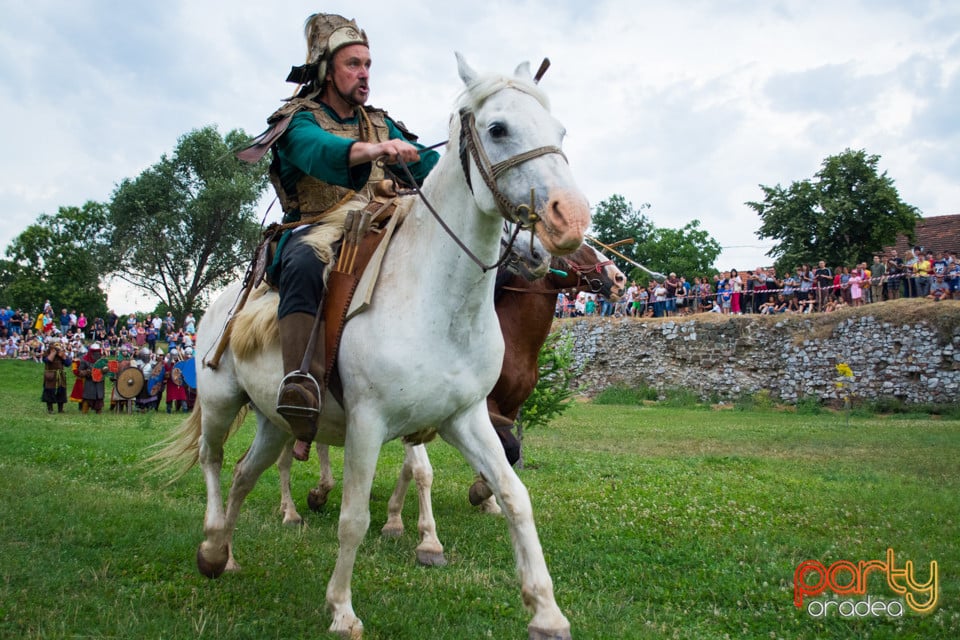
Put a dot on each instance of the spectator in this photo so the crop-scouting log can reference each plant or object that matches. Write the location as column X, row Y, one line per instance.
column 953, row 275
column 735, row 284
column 878, row 271
column 54, row 376
column 64, row 321
column 823, row 278
column 670, row 285
column 856, row 290
column 939, row 290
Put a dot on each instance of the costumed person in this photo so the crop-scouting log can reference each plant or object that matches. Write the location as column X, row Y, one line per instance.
column 93, row 380
column 149, row 396
column 176, row 391
column 325, row 146
column 55, row 359
column 76, row 393
column 191, row 391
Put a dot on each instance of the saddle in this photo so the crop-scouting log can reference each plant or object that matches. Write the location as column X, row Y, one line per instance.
column 354, row 271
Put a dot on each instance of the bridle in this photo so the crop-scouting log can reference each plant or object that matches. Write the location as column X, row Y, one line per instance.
column 523, row 215
column 583, row 273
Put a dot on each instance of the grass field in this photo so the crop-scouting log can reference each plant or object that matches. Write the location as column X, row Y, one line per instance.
column 656, row 523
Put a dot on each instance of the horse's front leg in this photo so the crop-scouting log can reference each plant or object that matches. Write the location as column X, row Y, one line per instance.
column 360, row 452
column 473, row 434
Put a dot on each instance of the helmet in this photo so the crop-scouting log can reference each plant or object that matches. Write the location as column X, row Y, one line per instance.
column 326, row 33
column 95, row 346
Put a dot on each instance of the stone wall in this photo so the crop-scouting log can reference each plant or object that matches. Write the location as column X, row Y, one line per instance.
column 907, row 349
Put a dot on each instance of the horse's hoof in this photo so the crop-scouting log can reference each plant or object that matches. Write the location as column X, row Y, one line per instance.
column 479, row 491
column 293, row 521
column 210, row 569
column 389, row 531
column 490, row 506
column 316, row 499
column 351, row 629
column 534, row 633
column 431, row 558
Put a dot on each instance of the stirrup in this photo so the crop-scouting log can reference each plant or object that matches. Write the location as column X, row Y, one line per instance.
column 309, row 384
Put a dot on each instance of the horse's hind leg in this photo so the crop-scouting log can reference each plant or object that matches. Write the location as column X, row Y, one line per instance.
column 287, row 506
column 474, row 436
column 263, row 452
column 213, row 554
column 417, row 467
column 317, row 497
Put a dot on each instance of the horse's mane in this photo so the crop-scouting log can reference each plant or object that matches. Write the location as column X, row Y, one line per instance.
column 484, row 86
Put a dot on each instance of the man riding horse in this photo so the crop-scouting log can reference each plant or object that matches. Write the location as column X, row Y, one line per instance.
column 325, row 144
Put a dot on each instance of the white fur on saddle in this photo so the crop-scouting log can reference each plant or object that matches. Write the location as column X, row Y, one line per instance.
column 255, row 326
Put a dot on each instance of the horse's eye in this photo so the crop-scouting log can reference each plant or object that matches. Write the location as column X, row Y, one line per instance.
column 497, row 130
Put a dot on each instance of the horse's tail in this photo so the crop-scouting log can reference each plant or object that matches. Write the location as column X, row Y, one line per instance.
column 180, row 451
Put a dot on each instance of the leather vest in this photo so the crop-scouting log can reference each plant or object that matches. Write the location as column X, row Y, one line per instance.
column 311, row 196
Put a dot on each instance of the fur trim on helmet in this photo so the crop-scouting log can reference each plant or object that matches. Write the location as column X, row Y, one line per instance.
column 326, row 33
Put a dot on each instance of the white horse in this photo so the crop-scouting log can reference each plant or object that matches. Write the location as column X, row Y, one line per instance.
column 425, row 353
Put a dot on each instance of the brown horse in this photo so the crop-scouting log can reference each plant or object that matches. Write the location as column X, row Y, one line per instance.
column 525, row 310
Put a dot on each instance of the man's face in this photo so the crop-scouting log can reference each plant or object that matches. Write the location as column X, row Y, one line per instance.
column 350, row 74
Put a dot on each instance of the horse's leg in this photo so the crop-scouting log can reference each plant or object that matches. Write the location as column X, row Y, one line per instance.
column 490, row 506
column 287, row 506
column 472, row 434
column 317, row 497
column 263, row 452
column 429, row 551
column 213, row 555
column 360, row 452
column 394, row 526
column 417, row 467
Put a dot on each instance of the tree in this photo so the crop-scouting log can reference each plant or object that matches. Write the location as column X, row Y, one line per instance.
column 844, row 215
column 60, row 257
column 615, row 219
column 186, row 225
column 688, row 251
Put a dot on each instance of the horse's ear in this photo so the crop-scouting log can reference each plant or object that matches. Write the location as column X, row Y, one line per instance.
column 467, row 74
column 523, row 71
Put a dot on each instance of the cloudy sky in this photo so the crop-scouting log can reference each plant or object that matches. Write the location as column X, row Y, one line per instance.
column 685, row 105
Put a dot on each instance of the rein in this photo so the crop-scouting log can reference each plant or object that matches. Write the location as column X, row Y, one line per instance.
column 483, row 267
column 523, row 215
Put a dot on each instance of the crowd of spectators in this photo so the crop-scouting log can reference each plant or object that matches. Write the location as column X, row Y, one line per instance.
column 25, row 337
column 102, row 348
column 918, row 273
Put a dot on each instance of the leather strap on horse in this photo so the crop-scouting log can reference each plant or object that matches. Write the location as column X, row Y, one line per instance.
column 360, row 242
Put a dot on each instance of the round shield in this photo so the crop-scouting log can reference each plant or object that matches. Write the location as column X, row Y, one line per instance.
column 155, row 383
column 188, row 371
column 129, row 382
column 176, row 376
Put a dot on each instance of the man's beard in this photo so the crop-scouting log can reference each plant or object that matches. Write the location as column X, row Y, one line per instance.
column 349, row 97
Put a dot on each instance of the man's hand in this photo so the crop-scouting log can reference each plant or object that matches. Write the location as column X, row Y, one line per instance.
column 392, row 152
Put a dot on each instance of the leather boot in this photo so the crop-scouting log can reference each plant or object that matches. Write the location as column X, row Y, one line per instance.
column 298, row 399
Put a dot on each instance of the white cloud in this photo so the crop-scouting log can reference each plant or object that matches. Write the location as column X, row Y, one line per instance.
column 688, row 106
